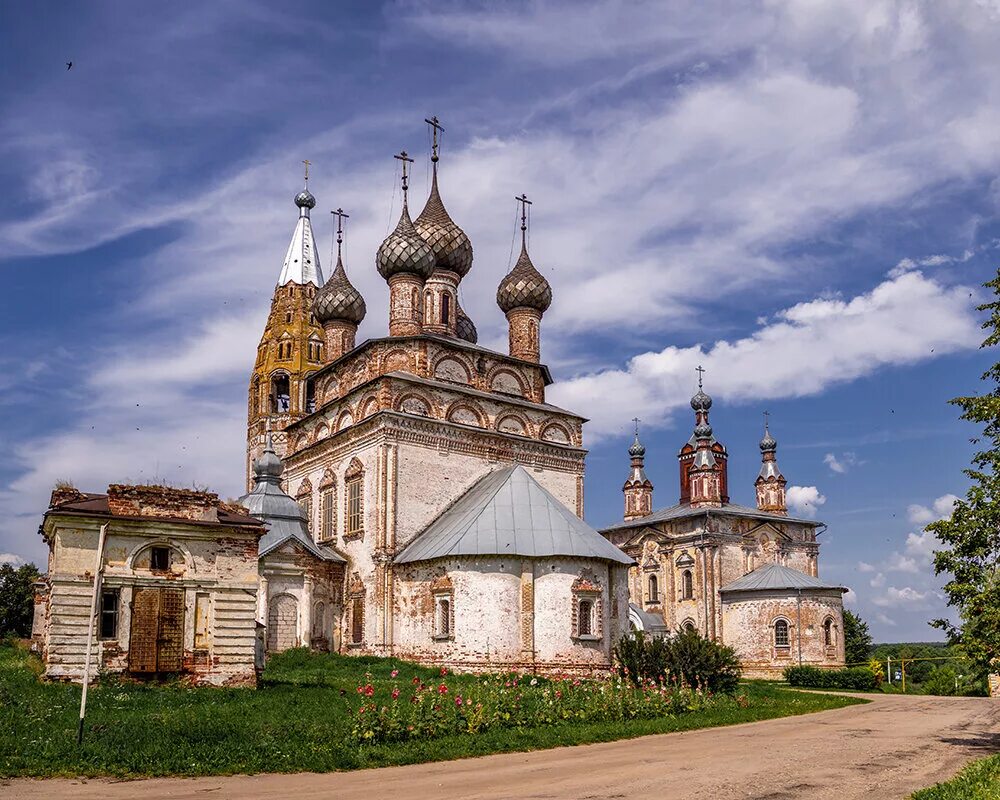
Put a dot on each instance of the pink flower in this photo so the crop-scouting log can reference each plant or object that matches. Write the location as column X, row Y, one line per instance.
column 442, row 689
column 395, row 694
column 458, row 700
column 369, row 690
column 361, row 690
column 444, row 670
column 394, row 673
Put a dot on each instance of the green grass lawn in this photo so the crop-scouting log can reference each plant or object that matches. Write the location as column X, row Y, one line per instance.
column 299, row 720
column 978, row 781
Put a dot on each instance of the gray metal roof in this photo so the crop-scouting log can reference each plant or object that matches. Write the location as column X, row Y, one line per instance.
column 284, row 517
column 684, row 510
column 776, row 576
column 507, row 512
column 644, row 621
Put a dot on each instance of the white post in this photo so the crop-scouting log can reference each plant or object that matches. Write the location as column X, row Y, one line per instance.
column 90, row 629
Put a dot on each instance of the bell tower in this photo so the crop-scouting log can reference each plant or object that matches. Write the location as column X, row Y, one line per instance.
column 703, row 459
column 770, row 484
column 638, row 488
column 291, row 347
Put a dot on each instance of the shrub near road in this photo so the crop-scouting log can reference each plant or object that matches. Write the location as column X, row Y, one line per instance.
column 301, row 720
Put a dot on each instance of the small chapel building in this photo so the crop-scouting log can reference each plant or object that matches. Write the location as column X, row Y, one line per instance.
column 442, row 494
column 746, row 577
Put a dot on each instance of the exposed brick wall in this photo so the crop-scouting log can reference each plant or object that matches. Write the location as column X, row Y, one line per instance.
column 162, row 501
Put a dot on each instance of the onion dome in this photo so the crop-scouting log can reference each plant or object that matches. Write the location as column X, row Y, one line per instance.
column 338, row 299
column 452, row 248
column 637, row 450
column 703, row 431
column 768, row 443
column 305, row 199
column 524, row 286
column 701, row 401
column 465, row 328
column 268, row 467
column 404, row 251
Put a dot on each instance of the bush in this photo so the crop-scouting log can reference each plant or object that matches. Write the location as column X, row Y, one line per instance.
column 850, row 678
column 685, row 658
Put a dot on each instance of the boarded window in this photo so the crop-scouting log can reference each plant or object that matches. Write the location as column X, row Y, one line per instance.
column 354, row 521
column 357, row 620
column 328, row 512
column 781, row 633
column 109, row 613
column 202, row 612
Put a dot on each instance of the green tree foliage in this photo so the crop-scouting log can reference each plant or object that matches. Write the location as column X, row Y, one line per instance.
column 684, row 657
column 857, row 639
column 970, row 537
column 17, row 599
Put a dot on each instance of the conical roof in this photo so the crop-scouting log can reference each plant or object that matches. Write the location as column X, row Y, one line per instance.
column 338, row 299
column 452, row 248
column 524, row 286
column 508, row 513
column 404, row 250
column 301, row 264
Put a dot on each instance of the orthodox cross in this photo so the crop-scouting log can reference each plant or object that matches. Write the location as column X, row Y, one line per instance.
column 341, row 216
column 406, row 160
column 525, row 202
column 307, row 162
column 767, row 414
column 701, row 374
column 436, row 125
column 636, row 420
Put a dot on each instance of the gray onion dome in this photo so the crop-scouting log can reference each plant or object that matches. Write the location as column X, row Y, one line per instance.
column 637, row 450
column 768, row 443
column 465, row 328
column 703, row 431
column 338, row 299
column 524, row 286
column 304, row 199
column 268, row 466
column 404, row 251
column 701, row 401
column 452, row 248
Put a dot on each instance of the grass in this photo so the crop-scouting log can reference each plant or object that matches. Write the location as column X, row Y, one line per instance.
column 980, row 780
column 299, row 720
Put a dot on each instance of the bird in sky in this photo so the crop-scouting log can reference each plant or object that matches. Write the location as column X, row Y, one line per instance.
column 69, row 65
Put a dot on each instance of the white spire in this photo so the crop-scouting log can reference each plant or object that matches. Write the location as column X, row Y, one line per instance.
column 302, row 259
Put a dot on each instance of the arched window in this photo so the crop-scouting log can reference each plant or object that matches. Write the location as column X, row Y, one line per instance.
column 354, row 480
column 443, row 617
column 828, row 639
column 689, row 627
column 310, row 395
column 781, row 633
column 687, row 585
column 280, row 394
column 654, row 589
column 586, row 617
column 445, row 308
column 328, row 511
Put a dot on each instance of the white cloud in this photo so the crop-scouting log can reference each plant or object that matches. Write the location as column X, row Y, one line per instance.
column 850, row 598
column 885, row 619
column 804, row 500
column 842, row 464
column 922, row 545
column 907, row 597
column 10, row 558
column 939, row 509
column 802, row 351
column 901, row 563
column 877, row 581
column 864, row 566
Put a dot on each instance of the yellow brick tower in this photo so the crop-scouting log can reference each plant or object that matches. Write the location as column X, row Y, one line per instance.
column 291, row 348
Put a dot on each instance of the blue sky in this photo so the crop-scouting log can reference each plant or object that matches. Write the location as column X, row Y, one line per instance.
column 802, row 196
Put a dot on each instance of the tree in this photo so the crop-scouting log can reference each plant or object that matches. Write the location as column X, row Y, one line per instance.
column 857, row 639
column 17, row 599
column 970, row 537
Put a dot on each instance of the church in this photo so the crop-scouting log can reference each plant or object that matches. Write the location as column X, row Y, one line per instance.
column 439, row 496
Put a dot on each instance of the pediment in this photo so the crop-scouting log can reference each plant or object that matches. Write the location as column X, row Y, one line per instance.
column 640, row 537
column 769, row 530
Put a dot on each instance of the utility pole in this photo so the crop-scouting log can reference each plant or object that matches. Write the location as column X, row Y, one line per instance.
column 98, row 570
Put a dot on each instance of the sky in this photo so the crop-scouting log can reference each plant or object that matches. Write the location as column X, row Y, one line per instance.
column 801, row 196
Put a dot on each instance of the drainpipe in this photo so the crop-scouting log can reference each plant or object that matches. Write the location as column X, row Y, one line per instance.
column 798, row 623
column 98, row 570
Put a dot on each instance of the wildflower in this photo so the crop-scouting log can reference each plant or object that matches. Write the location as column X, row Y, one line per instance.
column 415, row 680
column 369, row 690
column 458, row 700
column 395, row 694
column 534, row 681
column 361, row 710
column 442, row 689
column 444, row 670
column 558, row 695
column 394, row 673
column 361, row 690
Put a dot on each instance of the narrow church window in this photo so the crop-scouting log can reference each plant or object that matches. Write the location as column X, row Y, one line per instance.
column 305, row 502
column 357, row 620
column 159, row 558
column 781, row 633
column 280, row 397
column 354, row 525
column 328, row 505
column 109, row 613
column 828, row 633
column 310, row 395
column 288, row 317
column 687, row 585
column 442, row 621
column 689, row 627
column 586, row 612
column 445, row 308
column 654, row 589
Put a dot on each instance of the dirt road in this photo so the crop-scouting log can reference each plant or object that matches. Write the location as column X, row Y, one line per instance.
column 882, row 750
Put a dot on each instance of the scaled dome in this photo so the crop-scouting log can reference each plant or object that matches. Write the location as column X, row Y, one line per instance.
column 305, row 199
column 339, row 300
column 768, row 443
column 268, row 466
column 524, row 286
column 701, row 401
column 403, row 251
column 465, row 328
column 451, row 246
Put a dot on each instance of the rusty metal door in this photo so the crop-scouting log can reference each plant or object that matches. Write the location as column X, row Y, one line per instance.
column 144, row 631
column 156, row 642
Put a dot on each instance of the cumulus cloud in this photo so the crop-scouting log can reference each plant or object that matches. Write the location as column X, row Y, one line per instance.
column 885, row 619
column 804, row 500
column 907, row 597
column 850, row 598
column 901, row 563
column 842, row 464
column 804, row 349
column 939, row 509
column 10, row 558
column 864, row 566
column 877, row 581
